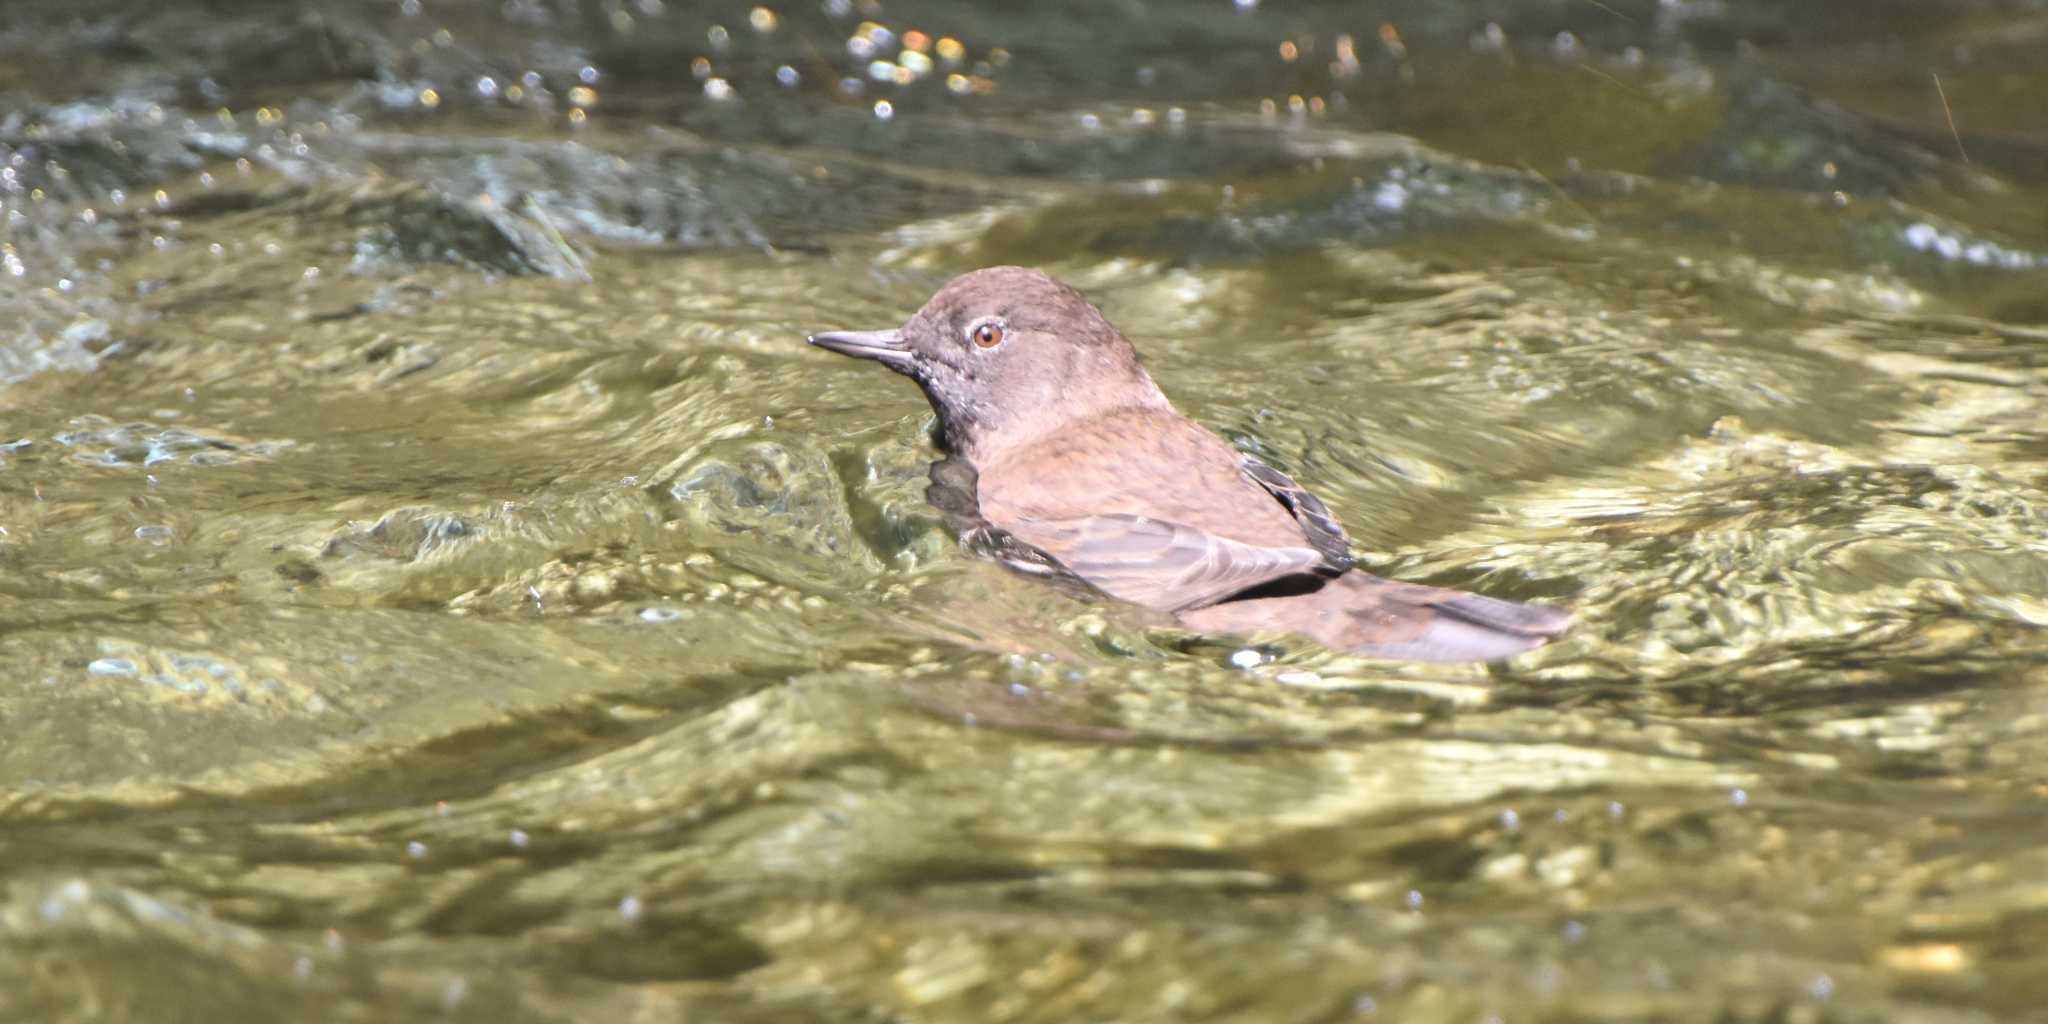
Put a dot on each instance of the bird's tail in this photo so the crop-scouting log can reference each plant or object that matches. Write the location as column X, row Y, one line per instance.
column 1382, row 618
column 1457, row 626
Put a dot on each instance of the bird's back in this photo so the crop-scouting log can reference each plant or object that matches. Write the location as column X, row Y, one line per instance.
column 1148, row 462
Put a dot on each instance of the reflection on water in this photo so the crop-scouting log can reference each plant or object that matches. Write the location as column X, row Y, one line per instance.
column 436, row 581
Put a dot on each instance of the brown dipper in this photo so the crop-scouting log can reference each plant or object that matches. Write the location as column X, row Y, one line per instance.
column 1085, row 469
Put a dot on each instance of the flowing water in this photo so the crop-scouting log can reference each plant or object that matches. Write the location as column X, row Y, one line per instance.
column 438, row 583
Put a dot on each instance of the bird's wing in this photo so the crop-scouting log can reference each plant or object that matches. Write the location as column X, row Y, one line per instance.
column 953, row 492
column 1162, row 565
column 1324, row 532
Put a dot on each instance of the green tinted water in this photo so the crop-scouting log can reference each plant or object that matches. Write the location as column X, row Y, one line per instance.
column 438, row 583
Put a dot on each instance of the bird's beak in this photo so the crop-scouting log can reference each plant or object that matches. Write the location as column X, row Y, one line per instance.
column 885, row 347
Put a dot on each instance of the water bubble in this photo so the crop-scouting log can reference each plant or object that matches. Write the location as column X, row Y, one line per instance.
column 487, row 87
column 1510, row 820
column 630, row 908
column 518, row 839
column 1247, row 658
column 1413, row 899
column 154, row 534
column 416, row 849
column 660, row 614
column 787, row 76
column 884, row 109
column 57, row 905
column 1738, row 797
column 587, row 75
column 112, row 667
column 762, row 19
column 718, row 37
column 718, row 90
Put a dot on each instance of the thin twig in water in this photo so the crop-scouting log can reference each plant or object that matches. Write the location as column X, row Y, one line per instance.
column 554, row 237
column 1566, row 197
column 1946, row 112
column 1596, row 72
column 1611, row 10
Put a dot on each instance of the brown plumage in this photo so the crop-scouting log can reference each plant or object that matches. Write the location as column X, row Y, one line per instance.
column 1083, row 468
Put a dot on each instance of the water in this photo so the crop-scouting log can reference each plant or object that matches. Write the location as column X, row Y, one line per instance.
column 438, row 583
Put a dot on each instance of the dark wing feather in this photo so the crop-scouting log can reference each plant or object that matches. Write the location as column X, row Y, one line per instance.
column 1163, row 565
column 1324, row 532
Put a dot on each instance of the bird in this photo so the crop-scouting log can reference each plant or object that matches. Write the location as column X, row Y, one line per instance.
column 1066, row 460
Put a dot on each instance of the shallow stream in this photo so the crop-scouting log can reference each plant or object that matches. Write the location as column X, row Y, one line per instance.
column 438, row 583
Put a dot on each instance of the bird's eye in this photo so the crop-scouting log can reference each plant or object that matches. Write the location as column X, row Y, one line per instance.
column 988, row 335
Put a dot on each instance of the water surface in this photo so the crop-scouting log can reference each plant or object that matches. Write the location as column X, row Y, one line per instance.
column 436, row 581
